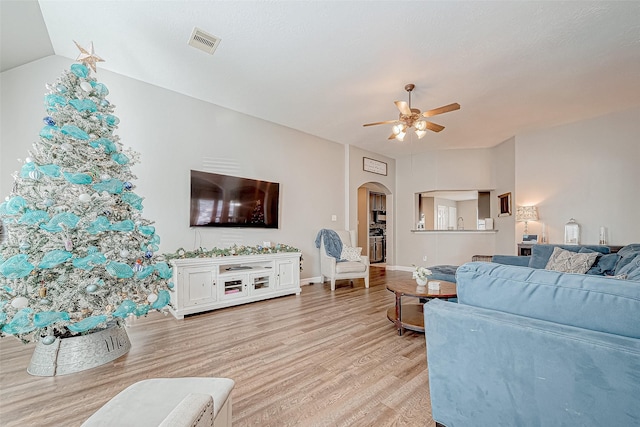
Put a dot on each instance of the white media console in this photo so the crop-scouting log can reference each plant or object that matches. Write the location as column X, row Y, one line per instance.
column 203, row 284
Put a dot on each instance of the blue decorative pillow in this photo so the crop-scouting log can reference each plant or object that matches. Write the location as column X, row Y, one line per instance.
column 604, row 265
column 540, row 253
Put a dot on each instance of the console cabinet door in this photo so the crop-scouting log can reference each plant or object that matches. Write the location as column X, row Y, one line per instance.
column 233, row 286
column 287, row 277
column 199, row 285
column 261, row 283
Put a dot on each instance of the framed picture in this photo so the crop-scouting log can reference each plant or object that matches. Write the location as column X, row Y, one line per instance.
column 374, row 166
column 529, row 238
column 505, row 204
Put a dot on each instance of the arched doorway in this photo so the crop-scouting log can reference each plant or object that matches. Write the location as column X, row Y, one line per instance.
column 374, row 222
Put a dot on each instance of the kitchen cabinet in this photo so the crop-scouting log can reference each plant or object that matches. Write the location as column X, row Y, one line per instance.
column 377, row 202
column 376, row 249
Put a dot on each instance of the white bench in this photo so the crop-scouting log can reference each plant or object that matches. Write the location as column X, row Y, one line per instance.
column 169, row 402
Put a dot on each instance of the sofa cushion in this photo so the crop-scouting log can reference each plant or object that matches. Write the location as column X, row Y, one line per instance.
column 350, row 267
column 571, row 262
column 540, row 253
column 522, row 261
column 592, row 302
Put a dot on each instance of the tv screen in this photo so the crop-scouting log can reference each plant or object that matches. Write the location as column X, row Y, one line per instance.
column 230, row 201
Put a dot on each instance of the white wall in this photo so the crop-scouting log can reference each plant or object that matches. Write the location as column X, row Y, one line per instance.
column 504, row 173
column 586, row 170
column 358, row 177
column 175, row 133
column 439, row 170
column 589, row 170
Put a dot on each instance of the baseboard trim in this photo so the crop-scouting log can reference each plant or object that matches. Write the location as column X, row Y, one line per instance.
column 310, row 281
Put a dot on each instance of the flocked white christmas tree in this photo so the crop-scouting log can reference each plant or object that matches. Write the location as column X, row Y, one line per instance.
column 77, row 252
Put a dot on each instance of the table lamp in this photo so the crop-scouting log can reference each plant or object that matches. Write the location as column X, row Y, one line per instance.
column 526, row 214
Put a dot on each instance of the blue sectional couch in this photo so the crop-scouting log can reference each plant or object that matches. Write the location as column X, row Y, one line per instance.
column 533, row 347
column 624, row 263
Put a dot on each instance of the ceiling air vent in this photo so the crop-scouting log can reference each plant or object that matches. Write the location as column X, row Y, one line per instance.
column 204, row 41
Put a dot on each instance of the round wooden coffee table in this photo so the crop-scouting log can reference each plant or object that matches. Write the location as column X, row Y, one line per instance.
column 411, row 316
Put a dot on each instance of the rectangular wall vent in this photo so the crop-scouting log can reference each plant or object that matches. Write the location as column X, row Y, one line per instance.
column 204, row 41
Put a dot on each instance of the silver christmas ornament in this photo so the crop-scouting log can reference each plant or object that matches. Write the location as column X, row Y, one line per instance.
column 86, row 86
column 48, row 340
column 20, row 302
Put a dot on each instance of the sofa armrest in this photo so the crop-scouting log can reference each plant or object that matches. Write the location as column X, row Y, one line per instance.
column 327, row 264
column 522, row 261
column 493, row 368
column 195, row 410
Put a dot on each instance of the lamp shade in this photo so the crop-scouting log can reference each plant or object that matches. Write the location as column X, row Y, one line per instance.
column 527, row 213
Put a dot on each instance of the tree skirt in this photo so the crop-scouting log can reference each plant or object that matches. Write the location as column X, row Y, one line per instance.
column 75, row 354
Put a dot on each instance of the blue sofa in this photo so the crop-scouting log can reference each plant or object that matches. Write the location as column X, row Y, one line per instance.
column 625, row 262
column 533, row 347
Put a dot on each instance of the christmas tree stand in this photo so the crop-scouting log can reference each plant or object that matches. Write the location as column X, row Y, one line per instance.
column 75, row 354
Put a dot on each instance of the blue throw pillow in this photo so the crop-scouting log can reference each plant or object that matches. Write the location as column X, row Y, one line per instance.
column 540, row 254
column 604, row 265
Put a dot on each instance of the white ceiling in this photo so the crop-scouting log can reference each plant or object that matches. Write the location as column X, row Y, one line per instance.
column 327, row 67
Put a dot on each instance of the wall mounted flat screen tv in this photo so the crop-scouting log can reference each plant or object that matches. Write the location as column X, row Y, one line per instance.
column 230, row 201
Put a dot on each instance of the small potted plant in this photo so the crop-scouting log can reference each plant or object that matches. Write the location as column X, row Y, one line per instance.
column 421, row 274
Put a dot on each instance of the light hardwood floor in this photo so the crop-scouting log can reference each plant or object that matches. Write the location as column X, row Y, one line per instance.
column 318, row 359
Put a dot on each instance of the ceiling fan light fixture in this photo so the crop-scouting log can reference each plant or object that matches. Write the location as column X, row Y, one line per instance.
column 398, row 129
column 412, row 118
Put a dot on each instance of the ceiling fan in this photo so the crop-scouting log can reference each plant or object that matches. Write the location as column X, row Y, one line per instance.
column 412, row 117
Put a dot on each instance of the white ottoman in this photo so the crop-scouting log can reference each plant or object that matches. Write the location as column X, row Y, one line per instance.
column 170, row 402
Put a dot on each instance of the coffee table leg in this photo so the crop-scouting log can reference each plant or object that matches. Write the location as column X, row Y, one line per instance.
column 398, row 312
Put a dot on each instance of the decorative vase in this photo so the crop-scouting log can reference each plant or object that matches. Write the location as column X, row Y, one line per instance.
column 422, row 285
column 81, row 352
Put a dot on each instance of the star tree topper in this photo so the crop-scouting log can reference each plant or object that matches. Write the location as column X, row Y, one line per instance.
column 88, row 57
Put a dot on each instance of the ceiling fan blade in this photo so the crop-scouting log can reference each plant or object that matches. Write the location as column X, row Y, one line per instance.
column 392, row 136
column 441, row 110
column 403, row 107
column 434, row 127
column 380, row 123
